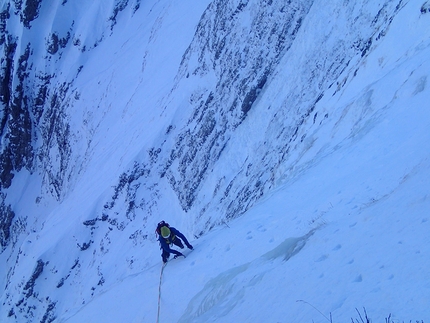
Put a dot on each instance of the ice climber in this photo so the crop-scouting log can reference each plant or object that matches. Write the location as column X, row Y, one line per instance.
column 168, row 236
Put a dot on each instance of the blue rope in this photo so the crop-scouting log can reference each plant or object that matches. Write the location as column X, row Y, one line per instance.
column 159, row 292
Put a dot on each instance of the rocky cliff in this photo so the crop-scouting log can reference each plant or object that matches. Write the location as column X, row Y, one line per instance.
column 74, row 77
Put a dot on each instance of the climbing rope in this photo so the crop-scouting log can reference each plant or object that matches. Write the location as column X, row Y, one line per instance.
column 159, row 292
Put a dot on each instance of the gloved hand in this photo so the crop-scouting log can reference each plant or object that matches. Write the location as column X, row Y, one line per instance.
column 165, row 258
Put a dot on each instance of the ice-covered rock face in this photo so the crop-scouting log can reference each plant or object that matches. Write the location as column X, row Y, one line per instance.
column 243, row 111
column 237, row 45
column 43, row 46
column 237, row 52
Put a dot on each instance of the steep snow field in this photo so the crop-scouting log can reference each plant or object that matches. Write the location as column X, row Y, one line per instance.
column 349, row 230
column 344, row 226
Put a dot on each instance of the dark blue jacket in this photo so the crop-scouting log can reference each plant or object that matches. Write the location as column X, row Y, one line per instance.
column 166, row 242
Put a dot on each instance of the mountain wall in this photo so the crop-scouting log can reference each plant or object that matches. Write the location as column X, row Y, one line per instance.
column 116, row 114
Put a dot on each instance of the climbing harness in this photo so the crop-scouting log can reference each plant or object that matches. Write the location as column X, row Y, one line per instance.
column 159, row 291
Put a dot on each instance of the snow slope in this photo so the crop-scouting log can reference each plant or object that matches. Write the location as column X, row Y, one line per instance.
column 340, row 219
column 348, row 230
